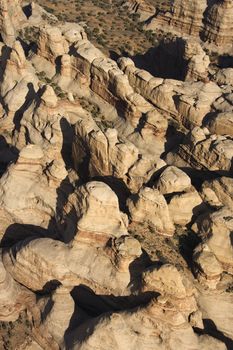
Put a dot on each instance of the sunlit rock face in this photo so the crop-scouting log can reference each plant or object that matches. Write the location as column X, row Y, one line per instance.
column 115, row 186
column 208, row 21
column 11, row 19
column 218, row 23
column 184, row 17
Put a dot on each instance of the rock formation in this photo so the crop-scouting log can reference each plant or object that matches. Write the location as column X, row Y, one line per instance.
column 140, row 7
column 150, row 206
column 209, row 21
column 12, row 17
column 184, row 17
column 218, row 23
column 115, row 186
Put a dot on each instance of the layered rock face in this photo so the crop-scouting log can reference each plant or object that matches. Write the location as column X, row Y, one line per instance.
column 218, row 23
column 141, row 7
column 184, row 17
column 210, row 21
column 212, row 152
column 151, row 207
column 12, row 17
column 197, row 62
column 188, row 102
column 115, row 193
column 107, row 155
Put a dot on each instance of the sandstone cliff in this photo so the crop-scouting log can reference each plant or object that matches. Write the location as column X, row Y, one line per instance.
column 115, row 189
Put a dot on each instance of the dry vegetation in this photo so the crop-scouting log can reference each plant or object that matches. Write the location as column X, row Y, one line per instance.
column 175, row 250
column 108, row 24
column 14, row 334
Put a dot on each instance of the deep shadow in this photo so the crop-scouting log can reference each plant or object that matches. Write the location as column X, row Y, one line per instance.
column 198, row 177
column 173, row 138
column 5, row 55
column 20, row 232
column 205, row 19
column 67, row 137
column 58, row 64
column 119, row 188
column 114, row 55
column 225, row 61
column 64, row 222
column 83, row 330
column 211, row 329
column 136, row 269
column 47, row 309
column 82, row 158
column 8, row 154
column 96, row 305
column 27, row 10
column 141, row 123
column 231, row 238
column 28, row 48
column 98, row 308
column 49, row 287
column 165, row 61
column 28, row 100
column 187, row 243
column 155, row 176
column 25, row 46
column 208, row 117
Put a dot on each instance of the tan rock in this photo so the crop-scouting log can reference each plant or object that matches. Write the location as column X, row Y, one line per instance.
column 19, row 82
column 60, row 238
column 213, row 153
column 221, row 124
column 197, row 62
column 183, row 207
column 218, row 25
column 218, row 308
column 33, row 197
column 150, row 206
column 225, row 76
column 12, row 17
column 164, row 328
column 49, row 97
column 193, row 100
column 109, row 155
column 155, row 124
column 10, row 305
column 58, row 319
column 172, row 179
column 168, row 281
column 39, row 262
column 216, row 229
column 210, row 22
column 43, row 263
column 98, row 209
column 51, row 43
column 207, row 264
column 140, row 7
column 72, row 32
column 218, row 192
column 184, row 17
column 48, row 124
column 194, row 104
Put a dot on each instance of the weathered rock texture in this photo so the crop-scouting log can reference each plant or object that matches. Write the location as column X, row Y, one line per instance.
column 218, row 23
column 115, row 188
column 12, row 17
column 150, row 206
column 107, row 155
column 140, row 7
column 211, row 21
column 184, row 17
